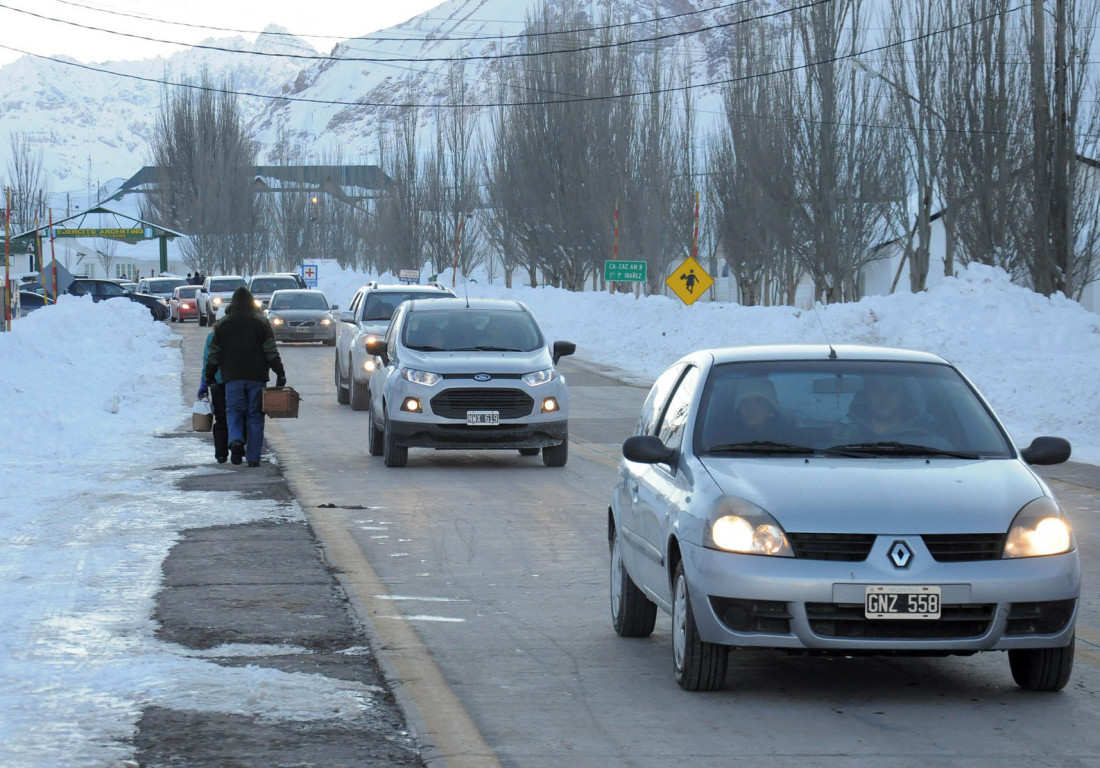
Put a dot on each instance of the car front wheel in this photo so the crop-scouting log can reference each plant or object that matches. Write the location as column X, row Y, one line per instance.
column 699, row 666
column 393, row 454
column 632, row 613
column 1042, row 669
column 556, row 455
column 374, row 436
column 341, row 394
column 360, row 394
column 202, row 319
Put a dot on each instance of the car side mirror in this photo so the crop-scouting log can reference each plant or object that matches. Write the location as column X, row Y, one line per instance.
column 1047, row 450
column 346, row 316
column 563, row 348
column 377, row 347
column 648, row 449
column 335, row 307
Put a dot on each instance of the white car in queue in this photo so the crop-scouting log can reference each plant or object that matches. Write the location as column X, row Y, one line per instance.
column 847, row 500
column 468, row 374
column 367, row 318
column 214, row 295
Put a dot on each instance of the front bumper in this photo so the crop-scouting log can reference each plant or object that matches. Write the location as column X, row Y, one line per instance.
column 319, row 333
column 457, row 435
column 780, row 602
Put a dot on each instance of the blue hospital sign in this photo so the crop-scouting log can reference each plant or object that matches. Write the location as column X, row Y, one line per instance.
column 309, row 273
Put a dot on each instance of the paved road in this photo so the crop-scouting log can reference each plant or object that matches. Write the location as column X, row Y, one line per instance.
column 484, row 576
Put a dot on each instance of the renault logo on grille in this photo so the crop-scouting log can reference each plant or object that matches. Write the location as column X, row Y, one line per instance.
column 482, row 377
column 900, row 554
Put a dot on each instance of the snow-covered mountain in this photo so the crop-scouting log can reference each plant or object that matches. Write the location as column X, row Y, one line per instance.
column 94, row 126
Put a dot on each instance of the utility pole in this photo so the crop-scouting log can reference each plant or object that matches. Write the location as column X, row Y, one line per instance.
column 1061, row 201
column 1040, row 157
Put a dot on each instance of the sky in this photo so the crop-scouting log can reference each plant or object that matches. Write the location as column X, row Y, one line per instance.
column 88, row 513
column 322, row 23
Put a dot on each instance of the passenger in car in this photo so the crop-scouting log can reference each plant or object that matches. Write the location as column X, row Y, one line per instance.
column 881, row 408
column 758, row 414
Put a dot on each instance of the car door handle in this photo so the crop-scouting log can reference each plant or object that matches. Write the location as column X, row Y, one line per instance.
column 634, row 492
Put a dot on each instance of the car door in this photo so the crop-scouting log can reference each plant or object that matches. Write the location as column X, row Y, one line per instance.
column 631, row 506
column 661, row 489
column 346, row 334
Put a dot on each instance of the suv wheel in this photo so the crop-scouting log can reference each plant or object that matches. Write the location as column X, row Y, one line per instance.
column 202, row 318
column 556, row 455
column 360, row 394
column 341, row 393
column 393, row 455
column 374, row 436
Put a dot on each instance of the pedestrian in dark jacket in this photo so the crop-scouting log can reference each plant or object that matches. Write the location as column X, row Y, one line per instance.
column 217, row 404
column 243, row 347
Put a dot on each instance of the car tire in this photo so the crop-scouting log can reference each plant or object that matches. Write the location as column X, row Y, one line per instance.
column 699, row 666
column 329, row 342
column 342, row 396
column 1042, row 669
column 528, row 451
column 360, row 395
column 374, row 436
column 202, row 319
column 556, row 455
column 393, row 454
column 632, row 613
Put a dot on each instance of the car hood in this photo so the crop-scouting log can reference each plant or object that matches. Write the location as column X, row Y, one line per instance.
column 479, row 362
column 888, row 496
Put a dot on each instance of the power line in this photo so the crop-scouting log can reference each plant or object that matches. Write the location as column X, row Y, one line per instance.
column 445, row 39
column 423, row 59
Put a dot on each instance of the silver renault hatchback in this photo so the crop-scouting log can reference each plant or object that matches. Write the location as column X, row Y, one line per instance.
column 467, row 374
column 846, row 500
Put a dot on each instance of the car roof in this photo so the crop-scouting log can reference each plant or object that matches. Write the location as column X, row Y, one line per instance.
column 298, row 290
column 404, row 288
column 438, row 305
column 768, row 352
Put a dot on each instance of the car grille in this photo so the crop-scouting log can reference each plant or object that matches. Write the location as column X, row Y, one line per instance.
column 849, row 547
column 964, row 547
column 846, row 620
column 510, row 403
column 301, row 323
column 854, row 547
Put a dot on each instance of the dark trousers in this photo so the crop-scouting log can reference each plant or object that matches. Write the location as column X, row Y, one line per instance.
column 221, row 425
column 244, row 409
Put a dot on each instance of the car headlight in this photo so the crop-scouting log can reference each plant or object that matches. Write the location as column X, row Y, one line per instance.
column 1039, row 529
column 427, row 378
column 276, row 321
column 368, row 339
column 738, row 526
column 216, row 301
column 538, row 377
column 258, row 302
column 326, row 321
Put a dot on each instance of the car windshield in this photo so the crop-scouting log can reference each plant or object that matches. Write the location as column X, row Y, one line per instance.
column 188, row 292
column 845, row 408
column 226, row 284
column 298, row 301
column 463, row 330
column 272, row 284
column 166, row 285
column 380, row 305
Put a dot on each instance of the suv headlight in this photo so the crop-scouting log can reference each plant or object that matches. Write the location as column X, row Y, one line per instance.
column 538, row 377
column 216, row 301
column 427, row 378
column 1039, row 529
column 736, row 525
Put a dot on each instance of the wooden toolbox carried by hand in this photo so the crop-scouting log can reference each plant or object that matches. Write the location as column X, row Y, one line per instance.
column 281, row 402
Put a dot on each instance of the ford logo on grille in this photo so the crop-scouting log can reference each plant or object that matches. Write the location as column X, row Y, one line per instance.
column 482, row 377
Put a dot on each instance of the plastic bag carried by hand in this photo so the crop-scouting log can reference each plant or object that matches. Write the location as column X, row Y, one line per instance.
column 202, row 407
column 202, row 416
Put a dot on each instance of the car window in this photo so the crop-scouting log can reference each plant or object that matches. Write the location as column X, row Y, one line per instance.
column 188, row 292
column 671, row 428
column 355, row 302
column 107, row 288
column 272, row 284
column 226, row 284
column 824, row 404
column 298, row 301
column 655, row 401
column 459, row 330
column 380, row 305
column 164, row 286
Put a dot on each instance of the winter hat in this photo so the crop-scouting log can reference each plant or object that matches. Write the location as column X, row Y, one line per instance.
column 756, row 386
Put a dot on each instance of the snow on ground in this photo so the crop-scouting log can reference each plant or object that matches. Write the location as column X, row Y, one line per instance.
column 88, row 393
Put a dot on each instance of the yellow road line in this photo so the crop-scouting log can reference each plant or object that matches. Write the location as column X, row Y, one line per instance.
column 452, row 735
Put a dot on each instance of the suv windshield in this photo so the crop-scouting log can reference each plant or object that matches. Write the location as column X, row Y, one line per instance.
column 846, row 408
column 461, row 330
column 226, row 284
column 380, row 305
column 298, row 301
column 272, row 284
column 166, row 285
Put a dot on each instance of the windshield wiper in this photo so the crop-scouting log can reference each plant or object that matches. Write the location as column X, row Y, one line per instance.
column 889, row 448
column 427, row 348
column 486, row 348
column 760, row 446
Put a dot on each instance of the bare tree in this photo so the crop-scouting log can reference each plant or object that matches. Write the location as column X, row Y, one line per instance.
column 27, row 181
column 395, row 235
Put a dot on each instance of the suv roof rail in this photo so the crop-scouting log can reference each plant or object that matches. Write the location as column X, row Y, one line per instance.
column 439, row 285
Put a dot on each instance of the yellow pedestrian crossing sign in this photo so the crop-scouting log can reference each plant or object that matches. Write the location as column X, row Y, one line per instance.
column 689, row 281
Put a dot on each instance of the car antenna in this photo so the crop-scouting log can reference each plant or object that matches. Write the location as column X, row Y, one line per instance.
column 832, row 352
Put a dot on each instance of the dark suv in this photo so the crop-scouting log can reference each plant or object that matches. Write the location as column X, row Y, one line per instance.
column 100, row 290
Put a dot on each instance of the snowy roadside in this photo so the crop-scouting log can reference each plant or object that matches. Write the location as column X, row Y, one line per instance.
column 89, row 512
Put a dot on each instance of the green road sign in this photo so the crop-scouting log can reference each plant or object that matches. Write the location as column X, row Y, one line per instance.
column 624, row 271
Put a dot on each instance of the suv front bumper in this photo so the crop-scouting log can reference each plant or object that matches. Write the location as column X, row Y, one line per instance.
column 456, row 435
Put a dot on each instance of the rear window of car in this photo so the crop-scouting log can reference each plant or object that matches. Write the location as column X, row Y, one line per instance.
column 189, row 292
column 467, row 330
column 380, row 305
column 165, row 286
column 226, row 284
